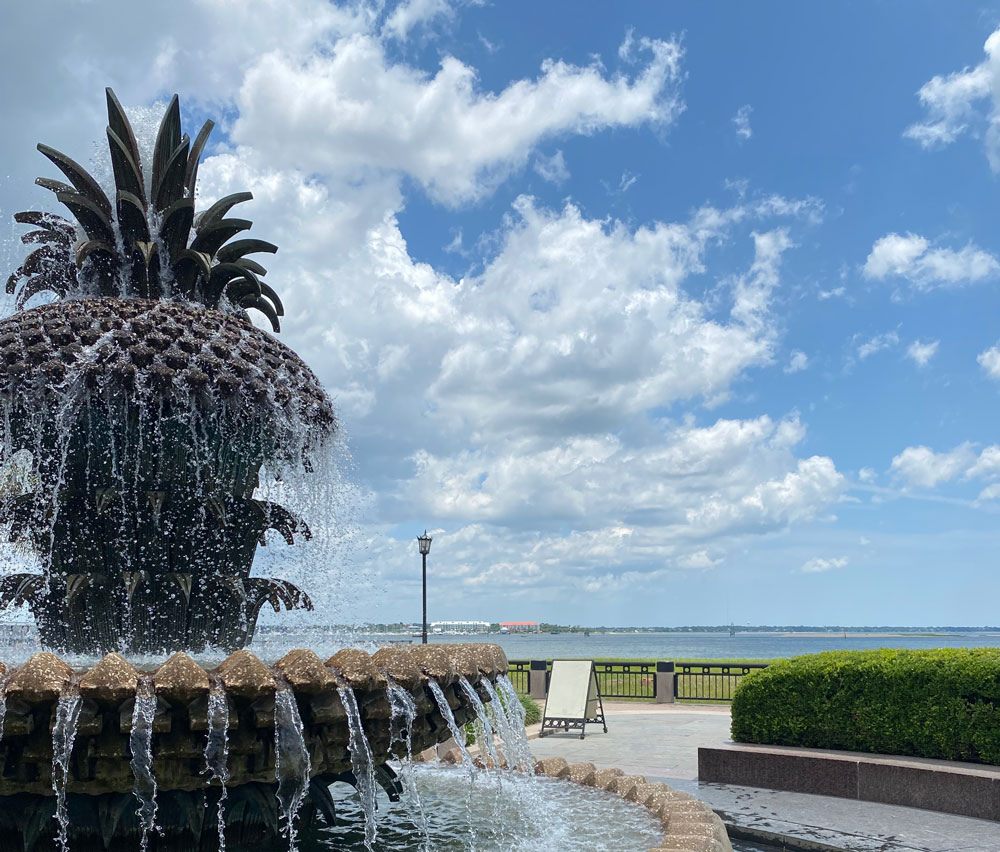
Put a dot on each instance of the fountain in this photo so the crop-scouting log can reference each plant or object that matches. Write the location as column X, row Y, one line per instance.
column 143, row 409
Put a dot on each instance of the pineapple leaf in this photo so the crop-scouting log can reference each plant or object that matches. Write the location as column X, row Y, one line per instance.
column 79, row 177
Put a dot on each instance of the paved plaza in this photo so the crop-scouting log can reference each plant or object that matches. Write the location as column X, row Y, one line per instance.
column 661, row 742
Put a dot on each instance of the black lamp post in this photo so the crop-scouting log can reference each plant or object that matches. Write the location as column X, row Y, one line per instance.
column 424, row 543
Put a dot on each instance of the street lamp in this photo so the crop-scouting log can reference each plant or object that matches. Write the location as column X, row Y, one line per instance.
column 424, row 543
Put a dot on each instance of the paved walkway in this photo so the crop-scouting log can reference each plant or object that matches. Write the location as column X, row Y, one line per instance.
column 661, row 742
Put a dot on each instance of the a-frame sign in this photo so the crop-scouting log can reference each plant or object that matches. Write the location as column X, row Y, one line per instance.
column 574, row 698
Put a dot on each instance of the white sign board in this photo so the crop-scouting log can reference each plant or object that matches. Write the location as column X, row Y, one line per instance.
column 574, row 697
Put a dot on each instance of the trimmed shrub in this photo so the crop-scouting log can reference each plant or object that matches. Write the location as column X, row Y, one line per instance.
column 940, row 704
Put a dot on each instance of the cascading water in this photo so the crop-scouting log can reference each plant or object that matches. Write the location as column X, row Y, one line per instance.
column 63, row 737
column 449, row 718
column 141, row 746
column 403, row 711
column 484, row 728
column 514, row 713
column 292, row 766
column 361, row 763
column 3, row 703
column 217, row 752
column 459, row 736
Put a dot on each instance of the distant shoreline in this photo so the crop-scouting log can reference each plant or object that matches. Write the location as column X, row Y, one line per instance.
column 834, row 635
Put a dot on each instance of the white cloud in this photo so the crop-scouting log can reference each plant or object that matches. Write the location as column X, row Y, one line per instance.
column 867, row 474
column 987, row 466
column 921, row 353
column 878, row 343
column 742, row 122
column 835, row 293
column 753, row 290
column 989, row 360
column 351, row 110
column 517, row 407
column 963, row 101
column 627, row 181
column 693, row 484
column 912, row 258
column 413, row 13
column 552, row 169
column 921, row 467
column 798, row 362
column 817, row 565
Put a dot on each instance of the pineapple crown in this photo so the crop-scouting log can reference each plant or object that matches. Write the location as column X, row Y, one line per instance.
column 142, row 246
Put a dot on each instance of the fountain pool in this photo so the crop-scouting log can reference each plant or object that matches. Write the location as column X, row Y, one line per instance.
column 540, row 815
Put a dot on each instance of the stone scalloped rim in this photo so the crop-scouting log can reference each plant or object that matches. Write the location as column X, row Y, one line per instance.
column 100, row 758
column 688, row 824
column 113, row 679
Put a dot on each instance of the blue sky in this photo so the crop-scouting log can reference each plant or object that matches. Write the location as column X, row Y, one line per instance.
column 651, row 313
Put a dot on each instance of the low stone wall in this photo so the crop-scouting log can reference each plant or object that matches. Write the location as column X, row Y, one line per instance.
column 688, row 825
column 965, row 789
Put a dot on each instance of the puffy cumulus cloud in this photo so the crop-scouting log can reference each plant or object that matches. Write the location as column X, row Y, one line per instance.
column 518, row 407
column 414, row 13
column 692, row 483
column 511, row 407
column 606, row 512
column 923, row 468
column 577, row 322
column 921, row 353
column 989, row 360
column 963, row 101
column 350, row 110
column 202, row 49
column 818, row 565
column 912, row 258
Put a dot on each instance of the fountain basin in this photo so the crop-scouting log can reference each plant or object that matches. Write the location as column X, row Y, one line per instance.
column 101, row 775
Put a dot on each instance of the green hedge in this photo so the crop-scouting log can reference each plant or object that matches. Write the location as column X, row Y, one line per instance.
column 940, row 704
column 532, row 712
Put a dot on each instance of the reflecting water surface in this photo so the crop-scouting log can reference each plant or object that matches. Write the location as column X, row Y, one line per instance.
column 538, row 814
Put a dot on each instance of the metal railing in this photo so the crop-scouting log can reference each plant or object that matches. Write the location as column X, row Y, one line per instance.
column 692, row 681
column 708, row 681
column 518, row 674
column 626, row 680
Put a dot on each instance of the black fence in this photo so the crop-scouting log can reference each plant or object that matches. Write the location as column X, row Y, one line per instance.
column 708, row 681
column 636, row 680
column 518, row 674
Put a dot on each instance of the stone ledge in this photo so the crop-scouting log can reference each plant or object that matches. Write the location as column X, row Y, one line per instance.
column 963, row 789
column 688, row 825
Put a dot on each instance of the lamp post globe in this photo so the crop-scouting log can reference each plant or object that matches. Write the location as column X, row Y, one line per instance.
column 424, row 545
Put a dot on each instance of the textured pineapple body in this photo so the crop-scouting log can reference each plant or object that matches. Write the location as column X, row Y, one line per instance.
column 148, row 423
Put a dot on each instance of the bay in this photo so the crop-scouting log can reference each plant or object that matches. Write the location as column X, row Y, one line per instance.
column 706, row 646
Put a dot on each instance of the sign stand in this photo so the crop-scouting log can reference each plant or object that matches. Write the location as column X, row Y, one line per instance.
column 574, row 698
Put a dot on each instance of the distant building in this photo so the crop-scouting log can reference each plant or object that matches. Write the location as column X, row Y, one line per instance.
column 460, row 627
column 518, row 626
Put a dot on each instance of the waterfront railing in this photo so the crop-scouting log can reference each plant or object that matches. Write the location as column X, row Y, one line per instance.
column 662, row 681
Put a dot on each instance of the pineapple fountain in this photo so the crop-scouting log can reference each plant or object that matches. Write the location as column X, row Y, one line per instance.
column 149, row 404
column 145, row 411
